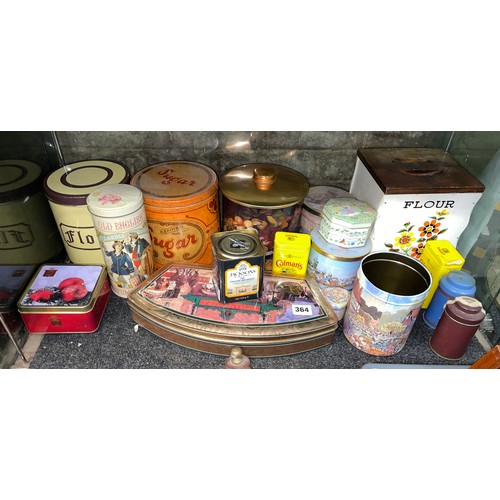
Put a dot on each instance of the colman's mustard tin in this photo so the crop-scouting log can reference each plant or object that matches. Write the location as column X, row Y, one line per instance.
column 181, row 203
column 239, row 262
column 291, row 254
column 28, row 233
column 67, row 189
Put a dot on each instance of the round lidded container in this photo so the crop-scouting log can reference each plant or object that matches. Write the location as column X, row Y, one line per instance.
column 67, row 189
column 28, row 233
column 313, row 205
column 265, row 196
column 122, row 230
column 337, row 297
column 347, row 222
column 331, row 265
column 181, row 203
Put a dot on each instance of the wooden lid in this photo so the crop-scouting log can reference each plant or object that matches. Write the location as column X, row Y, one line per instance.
column 418, row 171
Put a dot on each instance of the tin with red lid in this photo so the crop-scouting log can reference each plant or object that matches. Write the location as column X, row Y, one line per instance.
column 65, row 298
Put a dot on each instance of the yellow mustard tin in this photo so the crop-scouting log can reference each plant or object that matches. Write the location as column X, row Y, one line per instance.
column 291, row 254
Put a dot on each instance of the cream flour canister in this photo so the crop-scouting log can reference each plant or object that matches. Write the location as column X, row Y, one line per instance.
column 28, row 233
column 121, row 227
column 67, row 189
column 181, row 203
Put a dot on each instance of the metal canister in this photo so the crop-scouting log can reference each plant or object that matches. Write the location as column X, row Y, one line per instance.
column 121, row 227
column 385, row 301
column 263, row 196
column 67, row 189
column 28, row 233
column 181, row 203
column 456, row 328
column 239, row 261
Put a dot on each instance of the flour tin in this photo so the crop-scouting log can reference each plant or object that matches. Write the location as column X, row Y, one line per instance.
column 332, row 265
column 420, row 194
column 121, row 227
column 67, row 189
column 181, row 203
column 291, row 254
column 239, row 262
column 347, row 222
column 263, row 196
column 385, row 301
column 28, row 233
column 313, row 205
column 65, row 298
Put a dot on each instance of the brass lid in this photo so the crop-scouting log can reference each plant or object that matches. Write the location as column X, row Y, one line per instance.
column 264, row 185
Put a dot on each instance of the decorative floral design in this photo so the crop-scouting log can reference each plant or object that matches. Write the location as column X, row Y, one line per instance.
column 407, row 242
column 109, row 198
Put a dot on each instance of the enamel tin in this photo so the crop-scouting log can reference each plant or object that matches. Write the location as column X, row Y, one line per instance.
column 65, row 298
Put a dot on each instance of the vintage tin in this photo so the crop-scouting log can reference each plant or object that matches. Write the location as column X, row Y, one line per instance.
column 313, row 205
column 347, row 222
column 181, row 202
column 65, row 298
column 439, row 257
column 332, row 265
column 239, row 262
column 28, row 233
column 291, row 254
column 420, row 194
column 264, row 196
column 338, row 298
column 121, row 227
column 385, row 301
column 67, row 189
column 456, row 328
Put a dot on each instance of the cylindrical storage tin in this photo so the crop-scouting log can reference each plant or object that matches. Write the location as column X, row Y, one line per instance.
column 451, row 285
column 264, row 196
column 385, row 302
column 181, row 202
column 121, row 226
column 239, row 261
column 331, row 265
column 456, row 328
column 65, row 298
column 28, row 233
column 313, row 205
column 67, row 189
column 338, row 298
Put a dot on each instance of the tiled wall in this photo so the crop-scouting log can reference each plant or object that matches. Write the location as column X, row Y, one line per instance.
column 324, row 157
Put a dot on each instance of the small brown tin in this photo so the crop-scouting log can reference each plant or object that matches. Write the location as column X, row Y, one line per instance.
column 239, row 262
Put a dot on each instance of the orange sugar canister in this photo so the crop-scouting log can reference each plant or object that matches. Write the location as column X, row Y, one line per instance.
column 182, row 210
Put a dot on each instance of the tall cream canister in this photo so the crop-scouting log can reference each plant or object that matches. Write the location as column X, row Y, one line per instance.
column 67, row 189
column 121, row 226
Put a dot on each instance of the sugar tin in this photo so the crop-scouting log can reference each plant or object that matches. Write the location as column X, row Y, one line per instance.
column 239, row 262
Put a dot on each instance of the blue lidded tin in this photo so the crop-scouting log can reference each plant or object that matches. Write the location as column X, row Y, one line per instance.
column 451, row 285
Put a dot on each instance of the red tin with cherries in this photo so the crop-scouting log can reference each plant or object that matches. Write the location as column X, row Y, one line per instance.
column 65, row 298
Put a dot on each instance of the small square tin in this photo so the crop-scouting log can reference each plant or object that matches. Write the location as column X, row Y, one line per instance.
column 65, row 298
column 347, row 222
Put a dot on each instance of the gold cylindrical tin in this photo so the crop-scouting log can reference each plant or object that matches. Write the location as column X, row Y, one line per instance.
column 181, row 203
column 67, row 189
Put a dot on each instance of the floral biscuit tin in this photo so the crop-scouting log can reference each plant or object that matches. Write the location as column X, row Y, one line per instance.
column 28, row 233
column 65, row 298
column 347, row 222
column 181, row 203
column 332, row 265
column 121, row 227
column 67, row 189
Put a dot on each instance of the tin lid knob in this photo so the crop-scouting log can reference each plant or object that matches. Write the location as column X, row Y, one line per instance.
column 236, row 355
column 264, row 177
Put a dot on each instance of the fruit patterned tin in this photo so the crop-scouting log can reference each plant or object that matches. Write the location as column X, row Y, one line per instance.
column 239, row 262
column 65, row 298
column 263, row 196
column 181, row 203
column 291, row 254
column 347, row 222
column 313, row 205
column 121, row 227
column 332, row 265
column 67, row 189
column 28, row 233
column 420, row 194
